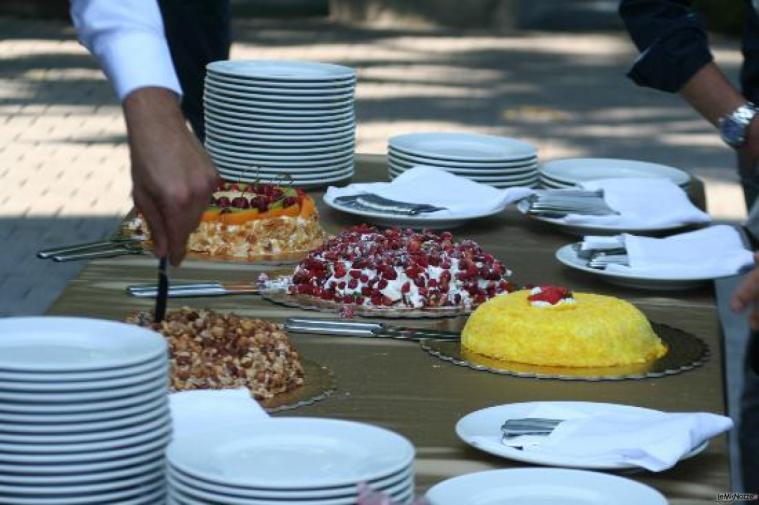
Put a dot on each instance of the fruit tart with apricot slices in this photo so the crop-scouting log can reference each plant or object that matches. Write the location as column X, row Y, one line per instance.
column 395, row 273
column 252, row 222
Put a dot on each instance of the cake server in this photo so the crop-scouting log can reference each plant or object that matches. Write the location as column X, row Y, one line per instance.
column 192, row 290
column 365, row 329
column 376, row 203
column 100, row 246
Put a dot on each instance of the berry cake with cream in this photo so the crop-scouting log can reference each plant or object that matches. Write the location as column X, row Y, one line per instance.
column 396, row 268
column 253, row 222
column 551, row 326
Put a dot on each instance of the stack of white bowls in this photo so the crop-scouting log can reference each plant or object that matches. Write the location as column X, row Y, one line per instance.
column 84, row 415
column 569, row 172
column 289, row 460
column 498, row 161
column 267, row 119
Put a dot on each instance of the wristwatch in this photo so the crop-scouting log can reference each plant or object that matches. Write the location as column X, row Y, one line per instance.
column 734, row 127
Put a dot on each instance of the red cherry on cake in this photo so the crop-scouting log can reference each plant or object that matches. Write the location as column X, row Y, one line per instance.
column 550, row 294
column 240, row 202
column 223, row 202
column 289, row 201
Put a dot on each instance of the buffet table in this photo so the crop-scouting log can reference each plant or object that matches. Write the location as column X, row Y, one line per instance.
column 397, row 385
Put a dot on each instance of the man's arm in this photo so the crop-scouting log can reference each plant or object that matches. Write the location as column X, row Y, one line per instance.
column 172, row 176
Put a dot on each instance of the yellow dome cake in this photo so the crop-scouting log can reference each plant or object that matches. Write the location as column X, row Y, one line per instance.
column 550, row 326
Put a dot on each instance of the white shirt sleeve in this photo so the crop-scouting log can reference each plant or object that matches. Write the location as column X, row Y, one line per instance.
column 127, row 38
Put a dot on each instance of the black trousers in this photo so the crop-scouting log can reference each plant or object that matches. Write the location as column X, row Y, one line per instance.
column 198, row 32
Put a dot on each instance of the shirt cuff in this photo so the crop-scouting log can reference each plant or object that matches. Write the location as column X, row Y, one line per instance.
column 137, row 60
column 671, row 61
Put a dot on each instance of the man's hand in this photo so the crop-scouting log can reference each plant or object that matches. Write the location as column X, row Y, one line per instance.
column 173, row 177
column 747, row 295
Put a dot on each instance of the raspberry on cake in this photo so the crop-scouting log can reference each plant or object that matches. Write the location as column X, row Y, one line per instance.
column 400, row 268
column 252, row 222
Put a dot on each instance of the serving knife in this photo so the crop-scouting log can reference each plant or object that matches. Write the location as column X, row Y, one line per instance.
column 193, row 290
column 163, row 290
column 365, row 329
column 92, row 250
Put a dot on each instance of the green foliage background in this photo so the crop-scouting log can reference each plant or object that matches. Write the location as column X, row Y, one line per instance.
column 724, row 16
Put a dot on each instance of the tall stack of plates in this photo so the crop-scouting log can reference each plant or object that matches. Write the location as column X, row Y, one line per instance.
column 498, row 161
column 84, row 415
column 572, row 171
column 289, row 460
column 268, row 119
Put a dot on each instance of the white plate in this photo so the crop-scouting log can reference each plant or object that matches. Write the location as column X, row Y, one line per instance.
column 303, row 184
column 225, row 86
column 280, row 160
column 487, row 422
column 70, row 344
column 52, row 409
column 134, row 494
column 66, row 387
column 51, row 422
column 78, row 479
column 278, row 118
column 160, row 439
column 275, row 131
column 254, row 94
column 37, row 440
column 542, row 486
column 284, row 70
column 41, row 398
column 576, row 170
column 216, row 77
column 422, row 221
column 568, row 256
column 292, row 453
column 345, row 496
column 150, row 474
column 394, row 484
column 287, row 101
column 397, row 170
column 463, row 146
column 484, row 165
column 296, row 172
column 249, row 147
column 595, row 229
column 93, row 376
column 156, row 453
column 220, row 104
column 490, row 172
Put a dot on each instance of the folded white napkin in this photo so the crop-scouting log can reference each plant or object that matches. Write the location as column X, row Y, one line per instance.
column 652, row 440
column 197, row 410
column 423, row 184
column 641, row 203
column 715, row 251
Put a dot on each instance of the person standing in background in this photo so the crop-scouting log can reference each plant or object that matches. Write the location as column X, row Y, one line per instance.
column 675, row 57
column 155, row 57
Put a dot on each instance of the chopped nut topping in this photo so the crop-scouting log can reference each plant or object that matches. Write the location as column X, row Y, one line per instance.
column 211, row 350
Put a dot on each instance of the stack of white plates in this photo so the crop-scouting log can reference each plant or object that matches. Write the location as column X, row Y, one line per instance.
column 498, row 161
column 268, row 119
column 570, row 172
column 289, row 460
column 84, row 414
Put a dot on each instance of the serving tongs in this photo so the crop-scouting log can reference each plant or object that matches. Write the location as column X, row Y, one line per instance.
column 193, row 290
column 94, row 250
column 365, row 329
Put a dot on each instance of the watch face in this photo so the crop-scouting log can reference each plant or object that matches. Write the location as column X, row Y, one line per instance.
column 732, row 132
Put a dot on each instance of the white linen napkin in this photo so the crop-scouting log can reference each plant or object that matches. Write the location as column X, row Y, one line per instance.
column 641, row 203
column 193, row 411
column 430, row 185
column 715, row 251
column 653, row 440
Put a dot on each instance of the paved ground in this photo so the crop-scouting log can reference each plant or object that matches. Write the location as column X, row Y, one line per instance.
column 64, row 173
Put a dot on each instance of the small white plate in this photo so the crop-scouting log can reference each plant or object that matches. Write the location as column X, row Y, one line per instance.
column 463, row 146
column 65, row 397
column 150, row 474
column 394, row 171
column 296, row 177
column 487, row 423
column 134, row 494
column 53, row 386
column 216, row 77
column 568, row 256
column 216, row 103
column 283, row 70
column 77, row 479
column 223, row 140
column 36, row 441
column 254, row 94
column 264, row 88
column 65, row 408
column 429, row 221
column 52, row 422
column 93, row 377
column 296, row 159
column 315, row 171
column 490, row 172
column 576, row 170
column 292, row 453
column 542, row 486
column 52, row 469
column 286, row 132
column 279, row 118
column 70, row 344
column 595, row 229
column 405, row 477
column 484, row 165
column 289, row 101
column 278, row 127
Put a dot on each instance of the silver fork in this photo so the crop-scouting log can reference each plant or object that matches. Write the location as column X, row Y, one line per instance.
column 528, row 426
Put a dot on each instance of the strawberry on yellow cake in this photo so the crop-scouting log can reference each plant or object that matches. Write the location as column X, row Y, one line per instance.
column 253, row 221
column 551, row 326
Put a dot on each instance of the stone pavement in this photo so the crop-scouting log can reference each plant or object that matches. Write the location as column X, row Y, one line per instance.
column 64, row 166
